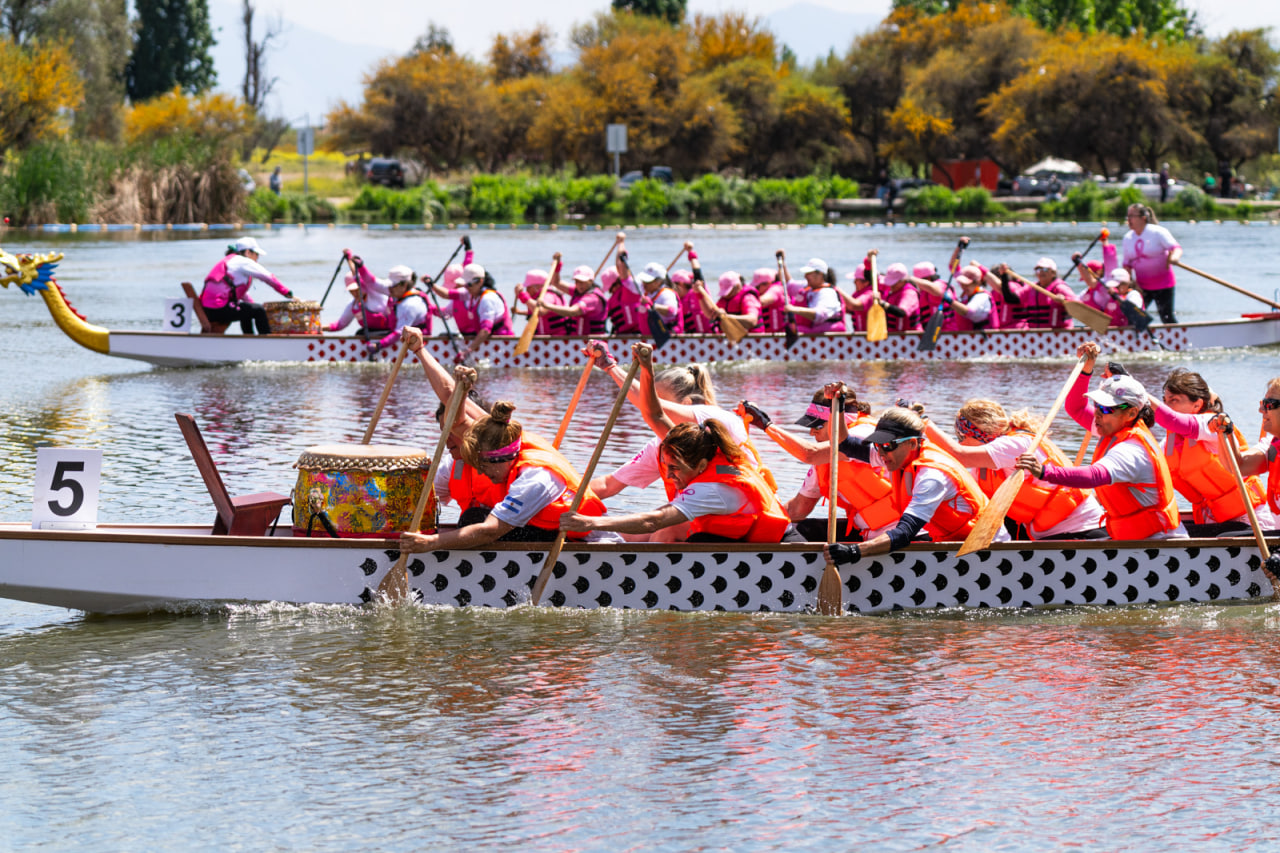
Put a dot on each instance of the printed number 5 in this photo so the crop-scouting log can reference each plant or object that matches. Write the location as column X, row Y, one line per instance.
column 179, row 315
column 60, row 482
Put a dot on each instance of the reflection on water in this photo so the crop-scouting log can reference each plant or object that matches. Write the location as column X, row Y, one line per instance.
column 313, row 728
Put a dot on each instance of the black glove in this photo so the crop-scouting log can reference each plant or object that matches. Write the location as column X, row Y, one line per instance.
column 1273, row 564
column 843, row 555
column 964, row 243
column 1075, row 258
column 357, row 261
column 756, row 416
column 697, row 274
column 466, row 243
column 288, row 294
column 622, row 256
column 1116, row 368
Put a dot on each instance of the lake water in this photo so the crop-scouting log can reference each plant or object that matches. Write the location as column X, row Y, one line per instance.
column 412, row 728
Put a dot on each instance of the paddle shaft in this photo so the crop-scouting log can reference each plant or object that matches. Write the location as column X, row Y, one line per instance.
column 386, row 391
column 535, row 314
column 359, row 297
column 929, row 337
column 336, row 270
column 1227, row 446
column 396, row 583
column 573, row 403
column 1087, row 250
column 1234, row 287
column 1080, row 311
column 554, row 554
column 606, row 257
column 431, row 292
column 830, row 587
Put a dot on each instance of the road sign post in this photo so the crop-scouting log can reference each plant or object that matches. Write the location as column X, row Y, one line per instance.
column 616, row 143
column 306, row 147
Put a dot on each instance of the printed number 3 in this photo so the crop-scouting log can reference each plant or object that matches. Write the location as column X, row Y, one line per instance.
column 60, row 482
column 179, row 316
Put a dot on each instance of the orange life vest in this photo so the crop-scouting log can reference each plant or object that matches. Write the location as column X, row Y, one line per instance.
column 468, row 487
column 862, row 488
column 748, row 447
column 1126, row 517
column 949, row 523
column 1039, row 502
column 766, row 521
column 1200, row 477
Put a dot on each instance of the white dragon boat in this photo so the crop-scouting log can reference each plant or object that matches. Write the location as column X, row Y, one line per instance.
column 121, row 569
column 185, row 349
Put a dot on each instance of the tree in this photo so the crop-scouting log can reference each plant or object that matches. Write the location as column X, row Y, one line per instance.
column 36, row 84
column 521, row 54
column 21, row 19
column 435, row 40
column 721, row 39
column 257, row 86
column 171, row 49
column 1232, row 101
column 1168, row 18
column 214, row 119
column 671, row 11
column 99, row 34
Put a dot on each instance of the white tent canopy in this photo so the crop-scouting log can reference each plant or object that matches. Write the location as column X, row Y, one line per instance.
column 1053, row 164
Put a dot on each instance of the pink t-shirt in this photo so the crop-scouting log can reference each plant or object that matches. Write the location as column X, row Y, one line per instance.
column 1147, row 254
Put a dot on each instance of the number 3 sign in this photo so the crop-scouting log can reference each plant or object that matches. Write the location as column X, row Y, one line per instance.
column 66, row 488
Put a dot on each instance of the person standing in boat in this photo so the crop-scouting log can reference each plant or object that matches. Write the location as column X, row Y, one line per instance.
column 990, row 442
column 371, row 298
column 864, row 492
column 225, row 296
column 1129, row 474
column 1149, row 253
column 515, row 486
column 410, row 305
column 1193, row 419
column 586, row 313
column 713, row 487
column 823, row 308
column 537, row 288
column 938, row 495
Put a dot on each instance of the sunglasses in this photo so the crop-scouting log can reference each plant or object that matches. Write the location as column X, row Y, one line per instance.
column 1107, row 410
column 886, row 447
column 1269, row 403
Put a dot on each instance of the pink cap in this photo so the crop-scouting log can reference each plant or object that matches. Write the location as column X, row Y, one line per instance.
column 964, row 279
column 682, row 277
column 609, row 278
column 894, row 274
column 584, row 273
column 764, row 275
column 924, row 269
column 728, row 281
column 452, row 274
column 535, row 278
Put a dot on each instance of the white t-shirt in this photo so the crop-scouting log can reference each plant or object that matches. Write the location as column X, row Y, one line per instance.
column 826, row 303
column 667, row 300
column 643, row 468
column 1265, row 519
column 411, row 311
column 711, row 499
column 1004, row 452
column 1127, row 462
column 931, row 489
column 810, row 487
column 1148, row 256
column 979, row 307
column 489, row 308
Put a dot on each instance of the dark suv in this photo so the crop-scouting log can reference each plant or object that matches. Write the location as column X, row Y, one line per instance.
column 389, row 173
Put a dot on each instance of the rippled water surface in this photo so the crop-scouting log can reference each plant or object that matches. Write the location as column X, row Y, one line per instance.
column 334, row 728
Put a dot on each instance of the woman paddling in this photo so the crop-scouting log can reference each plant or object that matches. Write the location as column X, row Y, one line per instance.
column 1265, row 455
column 822, row 309
column 371, row 299
column 585, row 313
column 1129, row 474
column 539, row 288
column 990, row 442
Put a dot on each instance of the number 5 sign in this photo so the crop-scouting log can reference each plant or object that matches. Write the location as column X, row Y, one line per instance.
column 66, row 489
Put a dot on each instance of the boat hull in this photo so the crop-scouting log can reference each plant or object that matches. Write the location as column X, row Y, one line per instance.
column 138, row 569
column 183, row 350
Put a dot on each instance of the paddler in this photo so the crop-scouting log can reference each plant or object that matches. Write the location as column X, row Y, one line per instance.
column 654, row 293
column 370, row 299
column 225, row 296
column 989, row 444
column 586, row 311
column 1265, row 456
column 823, row 308
column 537, row 289
column 1032, row 309
column 410, row 305
column 1129, row 474
column 864, row 492
column 939, row 496
column 715, row 489
column 486, row 305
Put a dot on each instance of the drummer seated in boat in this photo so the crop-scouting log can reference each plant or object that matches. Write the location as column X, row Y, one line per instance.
column 940, row 497
column 514, row 487
column 371, row 302
column 864, row 492
column 412, row 311
column 225, row 296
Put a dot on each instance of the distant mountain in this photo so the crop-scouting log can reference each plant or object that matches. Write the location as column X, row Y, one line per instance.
column 811, row 31
column 316, row 70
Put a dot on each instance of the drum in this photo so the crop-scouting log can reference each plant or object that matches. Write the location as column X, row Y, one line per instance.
column 295, row 317
column 365, row 490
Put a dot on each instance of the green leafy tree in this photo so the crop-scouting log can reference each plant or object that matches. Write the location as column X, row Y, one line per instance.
column 171, row 49
column 1119, row 17
column 1232, row 102
column 671, row 11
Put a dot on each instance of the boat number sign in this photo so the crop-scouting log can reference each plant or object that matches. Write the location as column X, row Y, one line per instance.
column 177, row 315
column 66, row 489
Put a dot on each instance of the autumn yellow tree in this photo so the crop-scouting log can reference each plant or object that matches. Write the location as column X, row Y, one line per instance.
column 37, row 82
column 211, row 117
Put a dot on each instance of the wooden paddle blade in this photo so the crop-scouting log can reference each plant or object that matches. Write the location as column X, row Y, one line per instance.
column 830, row 592
column 1097, row 320
column 991, row 519
column 929, row 337
column 733, row 330
column 877, row 325
column 658, row 329
column 526, row 337
column 395, row 586
column 790, row 335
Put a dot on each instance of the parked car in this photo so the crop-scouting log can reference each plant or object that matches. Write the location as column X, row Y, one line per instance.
column 1037, row 184
column 381, row 170
column 657, row 173
column 1148, row 183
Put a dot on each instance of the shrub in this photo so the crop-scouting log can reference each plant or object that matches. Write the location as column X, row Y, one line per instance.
column 1084, row 201
column 646, row 200
column 494, row 198
column 934, row 201
column 1119, row 206
column 49, row 182
column 977, row 202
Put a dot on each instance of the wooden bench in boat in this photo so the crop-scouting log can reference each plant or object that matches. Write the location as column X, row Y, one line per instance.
column 249, row 515
column 207, row 326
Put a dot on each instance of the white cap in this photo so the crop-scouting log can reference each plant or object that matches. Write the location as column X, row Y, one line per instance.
column 652, row 272
column 1047, row 264
column 471, row 273
column 814, row 265
column 1119, row 275
column 400, row 274
column 248, row 244
column 1120, row 391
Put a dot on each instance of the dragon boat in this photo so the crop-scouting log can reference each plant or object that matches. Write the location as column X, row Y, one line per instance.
column 34, row 274
column 123, row 569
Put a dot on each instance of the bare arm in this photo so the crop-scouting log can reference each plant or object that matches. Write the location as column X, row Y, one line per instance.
column 809, row 452
column 441, row 380
column 650, row 406
column 638, row 522
column 799, row 507
column 471, row 536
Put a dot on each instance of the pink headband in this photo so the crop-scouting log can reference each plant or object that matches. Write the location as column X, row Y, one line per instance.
column 502, row 454
column 966, row 428
column 820, row 412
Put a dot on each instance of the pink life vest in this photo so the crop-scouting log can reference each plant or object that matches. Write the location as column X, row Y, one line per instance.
column 218, row 289
column 463, row 315
column 623, row 307
column 549, row 322
column 695, row 320
column 773, row 318
column 592, row 319
column 746, row 298
column 501, row 326
column 676, row 325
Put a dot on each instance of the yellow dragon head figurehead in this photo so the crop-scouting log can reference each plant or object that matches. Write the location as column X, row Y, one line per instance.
column 29, row 272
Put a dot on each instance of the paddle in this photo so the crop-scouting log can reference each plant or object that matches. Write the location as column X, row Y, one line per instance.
column 531, row 327
column 657, row 328
column 1140, row 320
column 831, row 588
column 345, row 254
column 1227, row 448
column 1236, row 288
column 929, row 337
column 573, row 403
column 359, row 297
column 1102, row 235
column 1097, row 320
column 459, row 348
column 789, row 332
column 991, row 519
column 877, row 326
column 554, row 554
column 395, row 586
column 386, row 390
